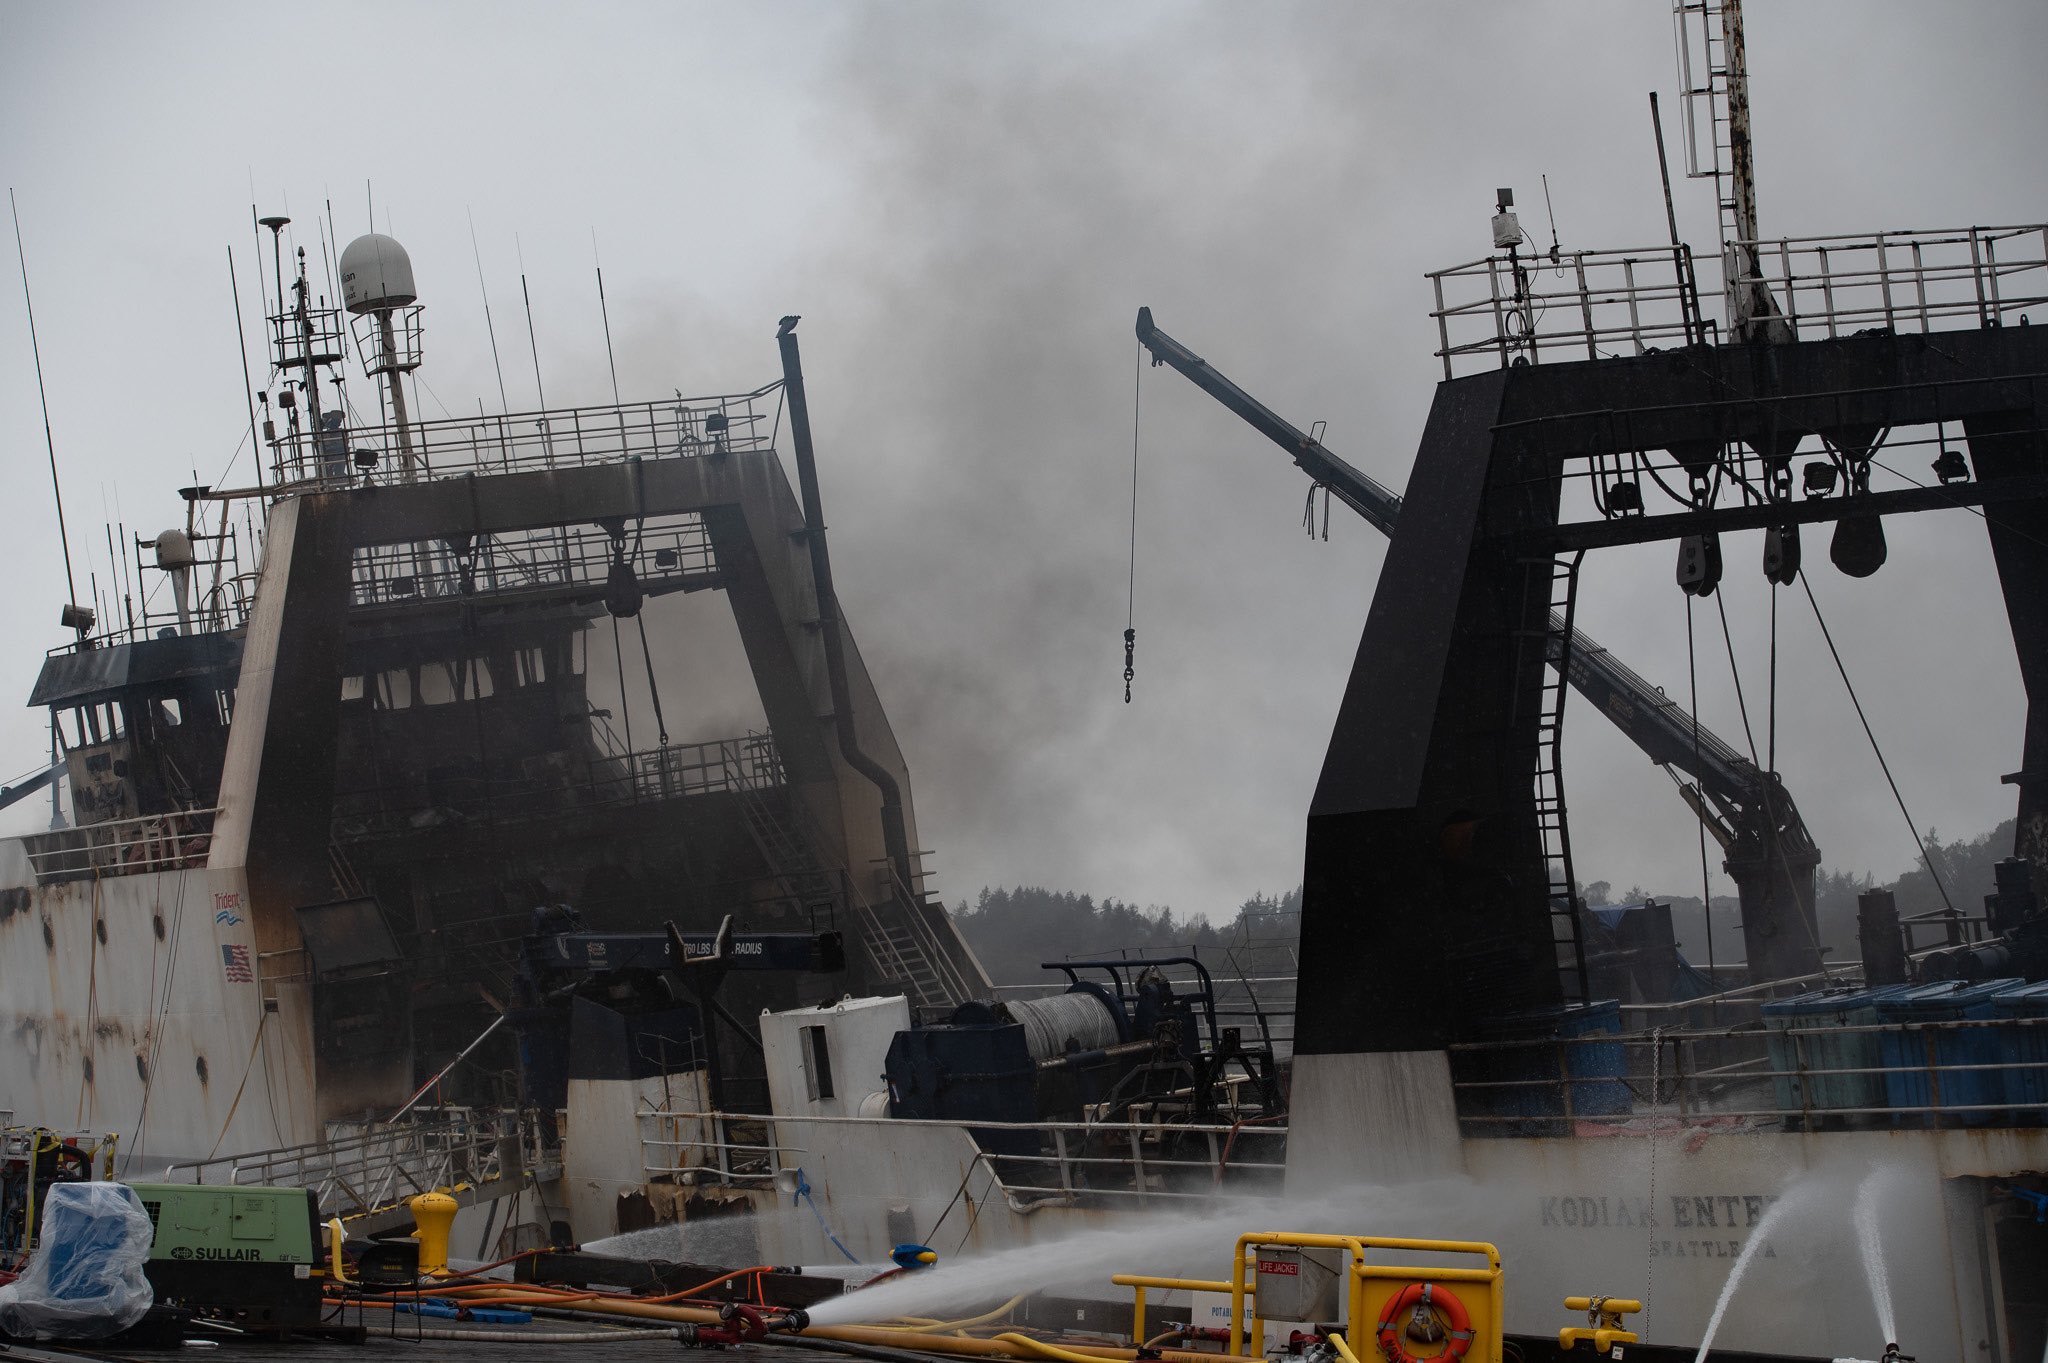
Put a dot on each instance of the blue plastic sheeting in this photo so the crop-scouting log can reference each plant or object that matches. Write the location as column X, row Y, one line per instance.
column 1796, row 1059
column 85, row 1280
column 2030, row 1044
column 1920, row 1063
column 1538, row 1081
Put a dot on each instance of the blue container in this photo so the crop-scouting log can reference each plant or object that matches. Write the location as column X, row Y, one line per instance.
column 1538, row 1083
column 1918, row 1062
column 1796, row 1060
column 1596, row 1069
column 2029, row 1044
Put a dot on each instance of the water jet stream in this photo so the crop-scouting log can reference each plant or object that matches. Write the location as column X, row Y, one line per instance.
column 1871, row 1243
column 1793, row 1200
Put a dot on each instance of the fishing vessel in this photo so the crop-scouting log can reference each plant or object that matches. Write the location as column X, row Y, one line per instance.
column 362, row 892
column 335, row 759
column 1827, row 1158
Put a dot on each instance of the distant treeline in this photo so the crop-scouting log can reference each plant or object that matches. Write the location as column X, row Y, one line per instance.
column 1962, row 867
column 1015, row 931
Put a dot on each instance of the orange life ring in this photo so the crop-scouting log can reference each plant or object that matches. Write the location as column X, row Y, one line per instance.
column 1425, row 1297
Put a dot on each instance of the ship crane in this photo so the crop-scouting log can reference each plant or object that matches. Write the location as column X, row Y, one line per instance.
column 1767, row 849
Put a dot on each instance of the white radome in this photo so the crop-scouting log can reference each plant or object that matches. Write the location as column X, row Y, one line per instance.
column 376, row 275
column 174, row 550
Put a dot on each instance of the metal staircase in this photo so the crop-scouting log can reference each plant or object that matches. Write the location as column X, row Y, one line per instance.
column 364, row 1172
column 891, row 928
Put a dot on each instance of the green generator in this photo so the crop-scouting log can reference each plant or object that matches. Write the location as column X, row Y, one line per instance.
column 248, row 1256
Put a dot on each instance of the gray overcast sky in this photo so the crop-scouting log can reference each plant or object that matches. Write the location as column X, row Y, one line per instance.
column 968, row 203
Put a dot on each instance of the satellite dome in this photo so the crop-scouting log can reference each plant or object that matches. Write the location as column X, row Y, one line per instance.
column 376, row 274
column 174, row 550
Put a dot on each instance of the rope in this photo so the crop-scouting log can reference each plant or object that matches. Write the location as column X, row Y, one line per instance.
column 933, row 1232
column 1649, row 1226
column 1131, row 582
column 227, row 1121
column 803, row 1194
column 1771, row 733
column 625, row 708
column 1735, row 674
column 1742, row 703
column 1883, row 765
column 652, row 690
column 1692, row 677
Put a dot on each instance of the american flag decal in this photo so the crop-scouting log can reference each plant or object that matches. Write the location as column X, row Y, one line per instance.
column 234, row 963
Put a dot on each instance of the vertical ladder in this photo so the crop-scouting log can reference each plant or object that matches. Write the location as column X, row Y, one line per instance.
column 1702, row 48
column 1546, row 760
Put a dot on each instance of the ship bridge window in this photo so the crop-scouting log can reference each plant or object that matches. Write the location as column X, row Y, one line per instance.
column 437, row 684
column 85, row 725
column 467, row 679
column 351, row 689
column 169, row 712
column 817, row 1056
column 531, row 666
column 394, row 689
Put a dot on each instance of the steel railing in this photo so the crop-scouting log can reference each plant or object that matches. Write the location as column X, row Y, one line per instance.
column 654, row 774
column 1582, row 305
column 529, row 561
column 1906, row 281
column 1585, row 305
column 1905, row 1073
column 524, row 442
column 1096, row 1162
column 119, row 847
column 361, row 1168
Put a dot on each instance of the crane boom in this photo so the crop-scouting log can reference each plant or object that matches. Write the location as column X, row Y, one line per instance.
column 1771, row 856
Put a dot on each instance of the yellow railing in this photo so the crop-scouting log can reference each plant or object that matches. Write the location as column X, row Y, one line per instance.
column 1372, row 1292
column 1138, row 1282
column 1364, row 1301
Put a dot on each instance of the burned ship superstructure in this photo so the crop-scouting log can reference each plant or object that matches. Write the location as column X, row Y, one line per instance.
column 322, row 791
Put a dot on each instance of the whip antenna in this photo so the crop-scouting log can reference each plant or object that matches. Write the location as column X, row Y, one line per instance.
column 1131, row 583
column 49, row 441
column 504, row 403
column 609, row 358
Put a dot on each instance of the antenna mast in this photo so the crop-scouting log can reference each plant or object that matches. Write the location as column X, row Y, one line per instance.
column 1713, row 73
column 71, row 616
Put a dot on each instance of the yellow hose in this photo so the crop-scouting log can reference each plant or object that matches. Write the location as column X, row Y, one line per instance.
column 924, row 1323
column 1006, row 1345
column 1039, row 1348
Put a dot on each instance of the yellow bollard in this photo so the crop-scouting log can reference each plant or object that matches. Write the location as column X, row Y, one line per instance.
column 434, row 1214
column 1604, row 1326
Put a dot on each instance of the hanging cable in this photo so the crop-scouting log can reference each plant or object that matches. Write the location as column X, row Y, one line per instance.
column 625, row 708
column 1308, row 512
column 1764, row 788
column 1692, row 677
column 1771, row 717
column 1131, row 584
column 1741, row 701
column 653, row 691
column 1885, row 766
